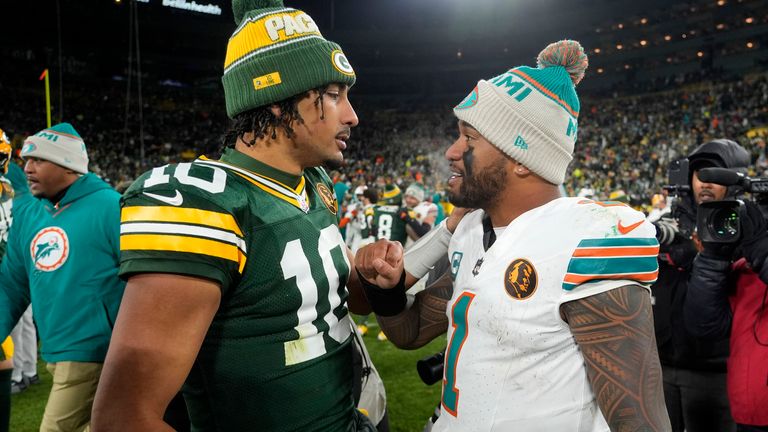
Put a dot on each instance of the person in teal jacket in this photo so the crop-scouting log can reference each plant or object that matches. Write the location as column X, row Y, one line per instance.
column 62, row 256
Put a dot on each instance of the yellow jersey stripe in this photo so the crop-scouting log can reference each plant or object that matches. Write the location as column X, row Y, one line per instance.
column 180, row 215
column 176, row 243
column 271, row 191
column 256, row 176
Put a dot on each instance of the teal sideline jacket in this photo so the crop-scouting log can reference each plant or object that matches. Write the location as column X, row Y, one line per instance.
column 64, row 260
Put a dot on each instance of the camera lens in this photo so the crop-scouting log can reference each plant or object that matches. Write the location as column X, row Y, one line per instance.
column 724, row 223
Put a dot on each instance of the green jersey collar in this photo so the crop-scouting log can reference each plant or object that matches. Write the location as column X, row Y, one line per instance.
column 239, row 159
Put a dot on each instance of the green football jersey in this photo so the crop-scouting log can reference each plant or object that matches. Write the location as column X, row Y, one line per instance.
column 277, row 356
column 385, row 223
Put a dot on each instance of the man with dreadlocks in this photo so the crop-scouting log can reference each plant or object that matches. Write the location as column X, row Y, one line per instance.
column 237, row 272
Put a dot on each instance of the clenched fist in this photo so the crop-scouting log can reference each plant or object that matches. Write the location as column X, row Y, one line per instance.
column 381, row 263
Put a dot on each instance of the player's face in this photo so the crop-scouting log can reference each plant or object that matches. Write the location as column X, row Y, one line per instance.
column 705, row 192
column 323, row 136
column 411, row 201
column 46, row 179
column 478, row 169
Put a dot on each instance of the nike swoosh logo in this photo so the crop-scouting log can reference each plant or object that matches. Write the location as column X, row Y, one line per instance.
column 627, row 229
column 174, row 200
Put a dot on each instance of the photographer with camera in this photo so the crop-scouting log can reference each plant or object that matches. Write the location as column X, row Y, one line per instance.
column 693, row 369
column 727, row 297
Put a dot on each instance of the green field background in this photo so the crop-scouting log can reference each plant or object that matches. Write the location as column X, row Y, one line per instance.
column 410, row 401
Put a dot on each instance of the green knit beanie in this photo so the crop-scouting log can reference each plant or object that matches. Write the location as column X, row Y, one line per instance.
column 275, row 53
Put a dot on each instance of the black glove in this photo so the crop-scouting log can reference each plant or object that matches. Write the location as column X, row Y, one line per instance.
column 754, row 232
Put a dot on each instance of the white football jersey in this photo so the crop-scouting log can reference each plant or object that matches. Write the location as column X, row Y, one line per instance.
column 424, row 209
column 511, row 363
column 356, row 225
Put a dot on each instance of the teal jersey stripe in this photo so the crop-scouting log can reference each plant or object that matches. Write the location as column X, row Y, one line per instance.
column 610, row 265
column 618, row 241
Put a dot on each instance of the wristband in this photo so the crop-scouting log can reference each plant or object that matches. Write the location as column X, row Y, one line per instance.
column 423, row 255
column 385, row 302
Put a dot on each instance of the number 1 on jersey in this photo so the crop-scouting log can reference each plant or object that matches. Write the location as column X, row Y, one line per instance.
column 459, row 313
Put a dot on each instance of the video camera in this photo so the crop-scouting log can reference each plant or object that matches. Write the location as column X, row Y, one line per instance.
column 720, row 221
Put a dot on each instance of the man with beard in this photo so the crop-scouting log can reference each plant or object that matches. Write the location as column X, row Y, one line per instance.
column 549, row 323
column 237, row 272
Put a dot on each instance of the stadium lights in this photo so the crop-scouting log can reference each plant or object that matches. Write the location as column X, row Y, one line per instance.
column 721, row 2
column 643, row 42
column 597, row 50
column 750, row 45
column 626, row 67
column 749, row 20
column 684, row 35
column 667, row 38
column 620, row 26
column 599, row 70
column 699, row 54
column 644, row 21
column 619, row 46
column 720, row 26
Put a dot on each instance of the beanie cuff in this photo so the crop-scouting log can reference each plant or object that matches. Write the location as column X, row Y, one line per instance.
column 58, row 153
column 506, row 129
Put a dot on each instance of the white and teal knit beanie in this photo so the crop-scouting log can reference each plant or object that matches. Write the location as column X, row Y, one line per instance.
column 531, row 114
column 60, row 144
column 417, row 191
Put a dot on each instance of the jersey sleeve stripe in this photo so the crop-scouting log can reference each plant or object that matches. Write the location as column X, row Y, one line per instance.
column 613, row 265
column 175, row 243
column 571, row 281
column 615, row 258
column 627, row 251
column 207, row 218
column 618, row 242
column 191, row 230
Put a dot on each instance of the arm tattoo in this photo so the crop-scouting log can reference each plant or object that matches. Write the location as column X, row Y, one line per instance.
column 424, row 320
column 615, row 333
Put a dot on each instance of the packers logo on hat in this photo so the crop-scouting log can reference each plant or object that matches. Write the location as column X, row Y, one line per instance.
column 341, row 63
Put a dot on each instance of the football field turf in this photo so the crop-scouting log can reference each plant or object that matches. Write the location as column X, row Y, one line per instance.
column 410, row 401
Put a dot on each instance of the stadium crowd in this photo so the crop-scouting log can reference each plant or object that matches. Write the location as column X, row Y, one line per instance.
column 625, row 142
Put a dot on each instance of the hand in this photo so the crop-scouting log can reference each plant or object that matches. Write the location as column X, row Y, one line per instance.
column 406, row 214
column 755, row 234
column 456, row 215
column 381, row 263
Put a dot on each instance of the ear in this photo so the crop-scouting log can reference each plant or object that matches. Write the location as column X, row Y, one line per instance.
column 521, row 170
